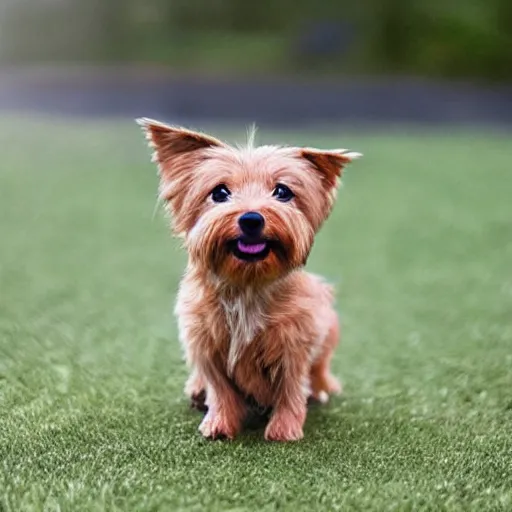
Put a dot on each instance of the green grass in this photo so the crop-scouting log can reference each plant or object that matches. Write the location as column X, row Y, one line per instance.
column 92, row 415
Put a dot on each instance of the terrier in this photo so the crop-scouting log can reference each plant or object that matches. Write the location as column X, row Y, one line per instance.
column 253, row 323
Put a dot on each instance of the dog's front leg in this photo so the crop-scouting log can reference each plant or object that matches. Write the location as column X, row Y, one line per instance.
column 226, row 409
column 287, row 420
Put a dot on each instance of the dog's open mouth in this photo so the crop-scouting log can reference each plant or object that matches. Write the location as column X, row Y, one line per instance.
column 250, row 250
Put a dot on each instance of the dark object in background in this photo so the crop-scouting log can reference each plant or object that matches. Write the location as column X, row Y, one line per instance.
column 322, row 40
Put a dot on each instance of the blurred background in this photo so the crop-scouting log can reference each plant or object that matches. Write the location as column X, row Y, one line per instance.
column 418, row 246
column 279, row 61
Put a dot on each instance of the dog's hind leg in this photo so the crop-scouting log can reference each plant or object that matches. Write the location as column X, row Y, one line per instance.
column 323, row 382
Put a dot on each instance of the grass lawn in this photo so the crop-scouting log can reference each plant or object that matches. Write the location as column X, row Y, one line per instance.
column 91, row 376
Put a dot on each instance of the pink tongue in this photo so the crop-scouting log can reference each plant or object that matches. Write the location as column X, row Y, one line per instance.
column 251, row 248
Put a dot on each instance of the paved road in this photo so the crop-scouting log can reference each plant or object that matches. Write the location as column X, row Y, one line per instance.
column 282, row 102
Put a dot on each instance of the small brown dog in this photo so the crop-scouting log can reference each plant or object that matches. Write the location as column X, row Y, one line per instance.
column 252, row 322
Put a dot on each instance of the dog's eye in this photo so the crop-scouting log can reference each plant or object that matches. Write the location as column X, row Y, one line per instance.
column 220, row 194
column 283, row 193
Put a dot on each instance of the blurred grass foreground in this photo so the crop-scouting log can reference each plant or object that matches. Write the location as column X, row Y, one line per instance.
column 449, row 38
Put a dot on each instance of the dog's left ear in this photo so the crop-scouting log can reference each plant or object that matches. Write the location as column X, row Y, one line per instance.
column 329, row 163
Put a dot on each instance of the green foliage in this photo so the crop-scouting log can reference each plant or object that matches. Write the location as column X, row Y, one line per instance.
column 447, row 38
column 467, row 38
column 92, row 415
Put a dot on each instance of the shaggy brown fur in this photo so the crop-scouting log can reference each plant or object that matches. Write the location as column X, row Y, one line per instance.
column 252, row 322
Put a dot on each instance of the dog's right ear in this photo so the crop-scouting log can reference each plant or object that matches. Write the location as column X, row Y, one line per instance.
column 176, row 152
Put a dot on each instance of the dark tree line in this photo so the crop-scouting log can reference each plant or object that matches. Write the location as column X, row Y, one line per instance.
column 439, row 37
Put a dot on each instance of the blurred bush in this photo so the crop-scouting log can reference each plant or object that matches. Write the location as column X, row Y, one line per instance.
column 453, row 38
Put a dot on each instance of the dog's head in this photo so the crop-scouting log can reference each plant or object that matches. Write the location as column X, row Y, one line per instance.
column 250, row 214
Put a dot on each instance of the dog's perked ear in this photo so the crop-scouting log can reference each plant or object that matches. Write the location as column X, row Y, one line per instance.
column 177, row 152
column 328, row 167
column 329, row 163
column 171, row 143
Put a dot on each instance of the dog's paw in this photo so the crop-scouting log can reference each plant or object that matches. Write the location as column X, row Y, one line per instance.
column 321, row 397
column 284, row 427
column 333, row 385
column 218, row 426
column 328, row 385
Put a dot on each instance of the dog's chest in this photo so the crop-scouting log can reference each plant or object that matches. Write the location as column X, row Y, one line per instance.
column 245, row 319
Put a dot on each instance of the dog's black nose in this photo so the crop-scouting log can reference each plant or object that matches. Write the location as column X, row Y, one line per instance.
column 251, row 223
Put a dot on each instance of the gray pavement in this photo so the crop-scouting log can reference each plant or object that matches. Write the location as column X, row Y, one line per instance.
column 287, row 102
